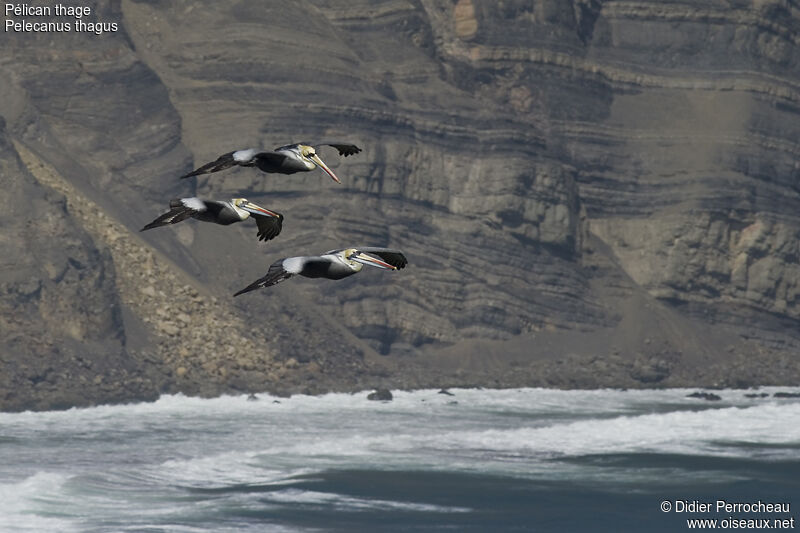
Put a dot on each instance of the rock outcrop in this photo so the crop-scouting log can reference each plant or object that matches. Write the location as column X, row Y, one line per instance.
column 62, row 322
column 380, row 395
column 590, row 193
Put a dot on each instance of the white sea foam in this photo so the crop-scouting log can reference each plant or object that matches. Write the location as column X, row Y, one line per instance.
column 522, row 450
column 37, row 503
column 310, row 497
column 226, row 469
column 135, row 464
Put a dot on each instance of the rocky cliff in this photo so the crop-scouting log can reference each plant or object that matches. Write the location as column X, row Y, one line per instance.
column 590, row 193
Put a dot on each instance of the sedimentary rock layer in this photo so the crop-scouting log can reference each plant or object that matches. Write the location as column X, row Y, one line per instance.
column 589, row 192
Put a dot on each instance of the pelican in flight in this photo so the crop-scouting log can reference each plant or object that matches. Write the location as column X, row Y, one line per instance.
column 219, row 212
column 336, row 264
column 300, row 157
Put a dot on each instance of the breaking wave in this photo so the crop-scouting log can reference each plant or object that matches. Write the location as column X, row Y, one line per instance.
column 189, row 464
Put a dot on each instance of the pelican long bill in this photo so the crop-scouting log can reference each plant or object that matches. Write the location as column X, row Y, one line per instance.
column 366, row 259
column 315, row 158
column 258, row 210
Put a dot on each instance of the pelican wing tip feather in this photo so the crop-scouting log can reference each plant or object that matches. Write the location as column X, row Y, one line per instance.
column 344, row 149
column 269, row 227
column 396, row 258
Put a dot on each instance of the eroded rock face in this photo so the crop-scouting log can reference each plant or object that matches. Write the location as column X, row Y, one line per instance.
column 589, row 193
column 95, row 108
column 63, row 341
column 695, row 183
column 461, row 183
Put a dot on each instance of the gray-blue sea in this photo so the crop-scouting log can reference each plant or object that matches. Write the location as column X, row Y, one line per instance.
column 479, row 460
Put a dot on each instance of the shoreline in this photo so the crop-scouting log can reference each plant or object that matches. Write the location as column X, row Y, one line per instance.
column 699, row 394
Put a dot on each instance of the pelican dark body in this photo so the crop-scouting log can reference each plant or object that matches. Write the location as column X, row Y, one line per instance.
column 319, row 268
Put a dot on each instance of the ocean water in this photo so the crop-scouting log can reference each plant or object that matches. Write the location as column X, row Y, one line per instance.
column 480, row 460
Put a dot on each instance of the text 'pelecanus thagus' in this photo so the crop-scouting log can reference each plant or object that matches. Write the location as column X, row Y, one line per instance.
column 336, row 264
column 221, row 212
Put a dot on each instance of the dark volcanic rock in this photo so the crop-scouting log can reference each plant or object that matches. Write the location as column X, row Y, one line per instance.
column 381, row 395
column 786, row 395
column 710, row 396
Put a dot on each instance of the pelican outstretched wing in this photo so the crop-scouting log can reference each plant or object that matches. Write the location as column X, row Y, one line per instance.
column 393, row 257
column 180, row 209
column 237, row 157
column 345, row 149
column 268, row 226
column 275, row 274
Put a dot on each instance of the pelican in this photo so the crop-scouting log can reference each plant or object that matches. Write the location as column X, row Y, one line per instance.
column 219, row 212
column 300, row 157
column 336, row 264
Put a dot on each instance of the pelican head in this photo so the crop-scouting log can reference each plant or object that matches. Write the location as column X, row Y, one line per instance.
column 245, row 207
column 357, row 258
column 309, row 155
